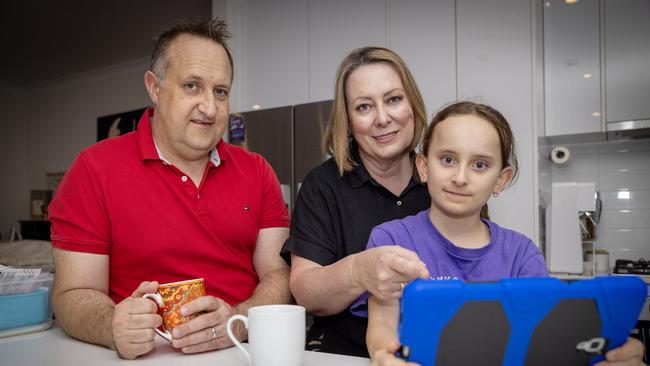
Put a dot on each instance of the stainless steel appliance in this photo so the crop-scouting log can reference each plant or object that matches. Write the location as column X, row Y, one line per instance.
column 290, row 139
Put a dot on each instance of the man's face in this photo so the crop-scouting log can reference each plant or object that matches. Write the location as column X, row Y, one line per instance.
column 191, row 103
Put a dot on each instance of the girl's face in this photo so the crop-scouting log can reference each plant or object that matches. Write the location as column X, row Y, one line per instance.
column 463, row 167
column 381, row 117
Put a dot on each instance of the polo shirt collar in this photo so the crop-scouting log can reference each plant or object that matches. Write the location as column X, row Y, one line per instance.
column 359, row 174
column 148, row 147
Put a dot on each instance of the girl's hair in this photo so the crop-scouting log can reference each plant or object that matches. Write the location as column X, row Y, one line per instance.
column 337, row 139
column 506, row 138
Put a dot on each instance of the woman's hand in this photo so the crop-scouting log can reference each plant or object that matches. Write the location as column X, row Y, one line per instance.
column 629, row 354
column 383, row 271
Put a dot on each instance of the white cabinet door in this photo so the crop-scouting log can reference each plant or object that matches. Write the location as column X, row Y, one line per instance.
column 572, row 67
column 423, row 33
column 336, row 28
column 274, row 57
column 495, row 67
column 627, row 59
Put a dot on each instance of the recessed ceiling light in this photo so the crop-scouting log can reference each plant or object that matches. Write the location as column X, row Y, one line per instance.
column 256, row 106
column 547, row 4
column 587, row 76
column 571, row 1
column 596, row 114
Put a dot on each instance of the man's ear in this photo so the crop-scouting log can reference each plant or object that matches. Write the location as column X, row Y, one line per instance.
column 152, row 85
column 421, row 165
column 504, row 179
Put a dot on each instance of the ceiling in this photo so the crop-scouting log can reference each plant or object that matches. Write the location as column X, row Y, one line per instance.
column 50, row 39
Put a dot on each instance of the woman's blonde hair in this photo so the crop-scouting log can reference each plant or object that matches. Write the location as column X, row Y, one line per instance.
column 337, row 139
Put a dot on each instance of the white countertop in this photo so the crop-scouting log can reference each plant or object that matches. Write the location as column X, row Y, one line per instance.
column 53, row 347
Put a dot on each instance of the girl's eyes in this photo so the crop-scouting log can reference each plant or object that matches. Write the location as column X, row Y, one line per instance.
column 447, row 160
column 480, row 165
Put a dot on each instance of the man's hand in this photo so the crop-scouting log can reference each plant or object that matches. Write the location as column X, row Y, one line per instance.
column 386, row 357
column 629, row 354
column 383, row 271
column 134, row 321
column 208, row 330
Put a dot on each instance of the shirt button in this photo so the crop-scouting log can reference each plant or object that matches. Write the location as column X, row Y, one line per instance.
column 184, row 178
column 399, row 203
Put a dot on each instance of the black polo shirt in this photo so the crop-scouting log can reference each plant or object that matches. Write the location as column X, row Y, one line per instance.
column 332, row 219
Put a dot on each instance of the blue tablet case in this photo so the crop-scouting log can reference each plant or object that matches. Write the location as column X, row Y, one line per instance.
column 525, row 321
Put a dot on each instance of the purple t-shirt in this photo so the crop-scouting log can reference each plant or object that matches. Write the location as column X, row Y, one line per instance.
column 508, row 255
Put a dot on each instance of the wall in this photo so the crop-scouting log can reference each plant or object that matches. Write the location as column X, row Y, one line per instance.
column 462, row 49
column 49, row 124
column 622, row 175
column 287, row 53
column 14, row 199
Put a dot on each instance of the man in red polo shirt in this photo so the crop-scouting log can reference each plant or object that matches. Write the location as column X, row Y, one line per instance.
column 169, row 202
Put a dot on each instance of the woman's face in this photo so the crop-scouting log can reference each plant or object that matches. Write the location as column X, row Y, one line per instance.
column 380, row 114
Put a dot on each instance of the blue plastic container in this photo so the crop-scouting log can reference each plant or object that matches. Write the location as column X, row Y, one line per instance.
column 24, row 309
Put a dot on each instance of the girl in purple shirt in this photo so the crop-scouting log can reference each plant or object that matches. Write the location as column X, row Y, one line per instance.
column 470, row 157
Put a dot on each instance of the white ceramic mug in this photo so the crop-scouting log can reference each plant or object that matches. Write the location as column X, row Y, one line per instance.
column 276, row 335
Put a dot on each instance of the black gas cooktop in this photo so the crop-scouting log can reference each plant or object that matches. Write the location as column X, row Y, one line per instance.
column 640, row 267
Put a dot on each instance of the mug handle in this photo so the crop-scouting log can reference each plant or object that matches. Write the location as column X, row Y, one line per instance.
column 158, row 300
column 232, row 336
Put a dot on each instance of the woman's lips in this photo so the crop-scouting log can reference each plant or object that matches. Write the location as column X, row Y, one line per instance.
column 386, row 137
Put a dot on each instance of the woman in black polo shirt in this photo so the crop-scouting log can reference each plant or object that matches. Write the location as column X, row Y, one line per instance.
column 377, row 120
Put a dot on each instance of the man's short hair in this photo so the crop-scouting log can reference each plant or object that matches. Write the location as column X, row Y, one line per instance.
column 210, row 28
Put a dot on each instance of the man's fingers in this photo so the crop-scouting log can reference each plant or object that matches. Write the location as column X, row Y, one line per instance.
column 144, row 321
column 201, row 304
column 130, row 351
column 145, row 288
column 139, row 306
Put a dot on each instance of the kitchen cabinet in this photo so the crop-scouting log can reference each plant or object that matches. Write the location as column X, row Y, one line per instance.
column 423, row 33
column 596, row 64
column 274, row 53
column 627, row 59
column 336, row 28
column 463, row 49
column 572, row 67
column 494, row 66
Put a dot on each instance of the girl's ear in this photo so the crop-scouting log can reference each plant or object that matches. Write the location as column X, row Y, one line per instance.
column 504, row 179
column 421, row 165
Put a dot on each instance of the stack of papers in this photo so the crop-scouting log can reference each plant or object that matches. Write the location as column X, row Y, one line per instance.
column 21, row 280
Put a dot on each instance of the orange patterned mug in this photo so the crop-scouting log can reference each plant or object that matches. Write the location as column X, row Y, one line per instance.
column 170, row 297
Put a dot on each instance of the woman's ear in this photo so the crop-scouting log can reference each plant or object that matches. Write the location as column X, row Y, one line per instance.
column 421, row 165
column 504, row 179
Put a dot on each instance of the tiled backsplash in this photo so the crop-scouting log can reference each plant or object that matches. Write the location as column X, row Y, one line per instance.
column 621, row 171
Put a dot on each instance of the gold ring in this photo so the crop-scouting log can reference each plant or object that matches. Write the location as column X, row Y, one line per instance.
column 214, row 333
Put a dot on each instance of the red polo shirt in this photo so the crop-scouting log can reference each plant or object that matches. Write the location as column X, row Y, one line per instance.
column 120, row 199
